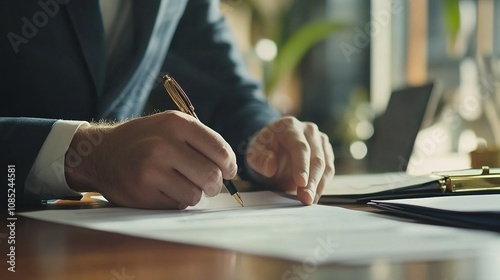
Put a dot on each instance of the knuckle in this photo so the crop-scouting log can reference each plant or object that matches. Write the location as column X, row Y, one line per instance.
column 255, row 146
column 171, row 117
column 229, row 158
column 329, row 170
column 224, row 152
column 265, row 136
column 233, row 169
column 179, row 121
column 311, row 127
column 177, row 115
column 327, row 145
column 325, row 137
column 318, row 162
column 289, row 121
column 313, row 181
column 251, row 155
column 302, row 145
column 214, row 177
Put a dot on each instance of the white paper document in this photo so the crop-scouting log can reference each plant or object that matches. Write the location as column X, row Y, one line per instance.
column 489, row 203
column 272, row 225
column 352, row 184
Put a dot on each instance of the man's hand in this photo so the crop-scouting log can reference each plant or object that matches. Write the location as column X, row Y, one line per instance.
column 164, row 160
column 291, row 155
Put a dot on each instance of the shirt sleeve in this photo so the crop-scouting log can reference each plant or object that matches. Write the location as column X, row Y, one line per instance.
column 46, row 179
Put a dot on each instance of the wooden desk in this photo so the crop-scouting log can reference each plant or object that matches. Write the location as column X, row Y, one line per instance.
column 53, row 251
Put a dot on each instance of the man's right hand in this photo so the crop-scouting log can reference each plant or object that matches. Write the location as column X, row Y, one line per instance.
column 164, row 160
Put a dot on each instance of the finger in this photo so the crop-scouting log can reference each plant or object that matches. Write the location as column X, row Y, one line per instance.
column 295, row 143
column 169, row 182
column 316, row 166
column 262, row 161
column 213, row 146
column 181, row 189
column 199, row 170
column 329, row 168
column 260, row 155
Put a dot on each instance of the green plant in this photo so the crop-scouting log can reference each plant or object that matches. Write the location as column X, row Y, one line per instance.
column 270, row 19
column 293, row 50
column 451, row 17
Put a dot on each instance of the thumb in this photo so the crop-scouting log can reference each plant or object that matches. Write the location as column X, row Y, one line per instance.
column 263, row 162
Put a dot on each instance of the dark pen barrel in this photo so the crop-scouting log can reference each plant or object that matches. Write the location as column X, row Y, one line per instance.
column 230, row 186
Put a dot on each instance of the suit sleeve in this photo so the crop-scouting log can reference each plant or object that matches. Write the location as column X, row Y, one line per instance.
column 205, row 61
column 20, row 141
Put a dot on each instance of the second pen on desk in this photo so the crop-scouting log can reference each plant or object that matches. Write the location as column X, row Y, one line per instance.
column 184, row 104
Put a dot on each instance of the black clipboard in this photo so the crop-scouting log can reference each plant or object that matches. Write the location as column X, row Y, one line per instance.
column 485, row 220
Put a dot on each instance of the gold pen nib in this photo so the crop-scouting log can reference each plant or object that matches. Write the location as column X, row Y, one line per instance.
column 237, row 197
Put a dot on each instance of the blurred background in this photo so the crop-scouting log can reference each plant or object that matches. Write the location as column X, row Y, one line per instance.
column 336, row 63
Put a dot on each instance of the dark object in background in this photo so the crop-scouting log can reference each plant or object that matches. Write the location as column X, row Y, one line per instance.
column 409, row 110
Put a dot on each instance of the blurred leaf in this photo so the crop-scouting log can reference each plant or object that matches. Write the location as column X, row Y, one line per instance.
column 294, row 49
column 452, row 18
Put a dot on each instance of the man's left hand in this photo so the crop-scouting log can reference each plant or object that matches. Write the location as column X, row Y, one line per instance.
column 290, row 155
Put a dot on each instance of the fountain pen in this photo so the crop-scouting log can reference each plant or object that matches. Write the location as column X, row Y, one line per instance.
column 184, row 104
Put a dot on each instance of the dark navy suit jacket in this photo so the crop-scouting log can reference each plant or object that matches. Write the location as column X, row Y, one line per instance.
column 53, row 66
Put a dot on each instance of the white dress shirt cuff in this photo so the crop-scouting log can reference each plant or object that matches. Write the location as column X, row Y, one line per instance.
column 46, row 179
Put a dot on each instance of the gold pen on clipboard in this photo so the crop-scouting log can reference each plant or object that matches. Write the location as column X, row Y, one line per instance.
column 469, row 180
column 184, row 104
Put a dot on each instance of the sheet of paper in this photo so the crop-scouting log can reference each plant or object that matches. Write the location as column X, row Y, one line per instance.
column 356, row 184
column 466, row 203
column 371, row 183
column 272, row 225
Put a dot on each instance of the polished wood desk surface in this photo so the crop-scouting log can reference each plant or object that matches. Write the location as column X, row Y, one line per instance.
column 53, row 251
